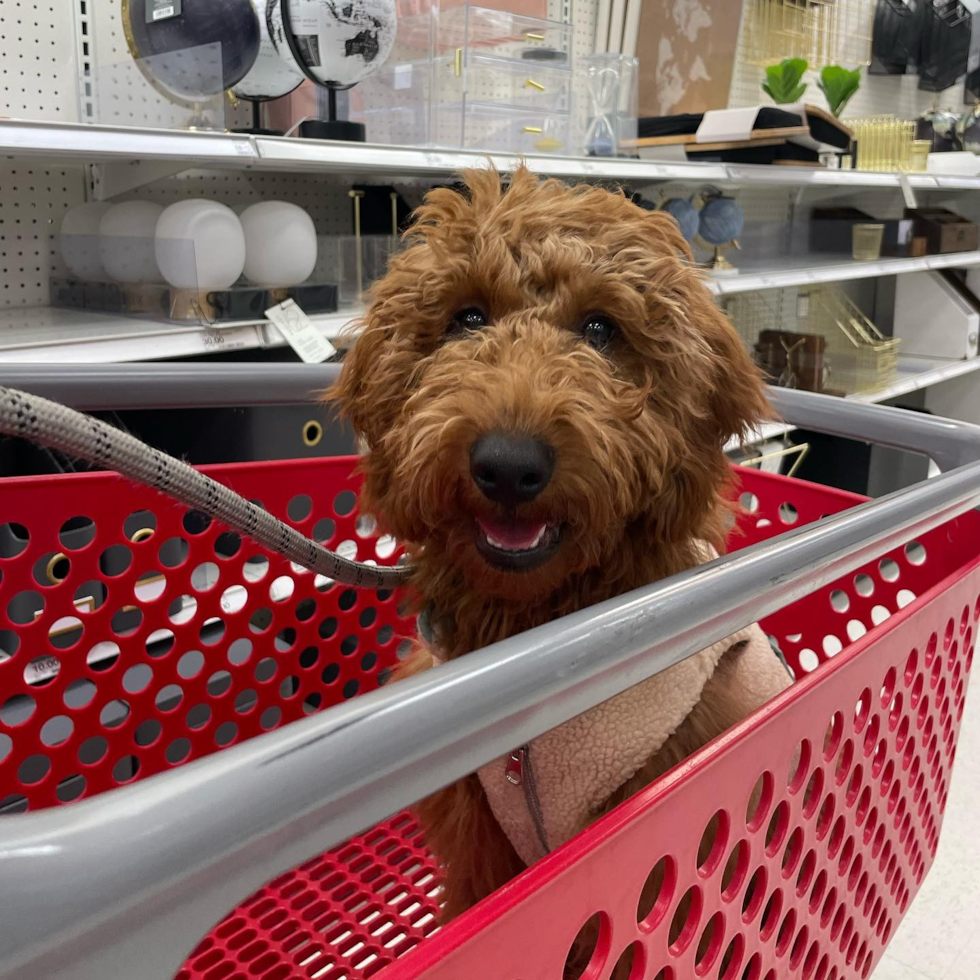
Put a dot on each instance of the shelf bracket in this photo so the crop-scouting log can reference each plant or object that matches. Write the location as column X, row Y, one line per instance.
column 111, row 179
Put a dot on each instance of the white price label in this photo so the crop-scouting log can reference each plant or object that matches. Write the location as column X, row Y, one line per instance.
column 403, row 76
column 300, row 332
column 243, row 148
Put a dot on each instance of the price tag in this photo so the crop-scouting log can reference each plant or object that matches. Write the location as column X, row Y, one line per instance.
column 157, row 10
column 243, row 148
column 300, row 332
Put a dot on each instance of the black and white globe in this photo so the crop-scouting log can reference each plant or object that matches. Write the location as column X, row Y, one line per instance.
column 271, row 76
column 336, row 44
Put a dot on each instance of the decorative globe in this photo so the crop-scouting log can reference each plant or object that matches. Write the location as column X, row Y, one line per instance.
column 721, row 221
column 939, row 126
column 186, row 61
column 685, row 214
column 334, row 44
column 272, row 76
column 968, row 129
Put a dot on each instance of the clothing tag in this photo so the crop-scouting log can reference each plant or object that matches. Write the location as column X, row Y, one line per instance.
column 907, row 192
column 403, row 76
column 157, row 10
column 300, row 332
column 973, row 6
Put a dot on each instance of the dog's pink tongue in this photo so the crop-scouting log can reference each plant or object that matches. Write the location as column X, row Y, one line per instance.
column 514, row 535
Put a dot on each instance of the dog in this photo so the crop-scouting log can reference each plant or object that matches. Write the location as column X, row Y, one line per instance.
column 544, row 388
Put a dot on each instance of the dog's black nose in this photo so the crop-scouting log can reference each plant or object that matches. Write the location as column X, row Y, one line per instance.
column 511, row 469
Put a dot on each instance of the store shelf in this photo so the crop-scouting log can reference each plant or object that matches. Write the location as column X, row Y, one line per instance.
column 134, row 155
column 48, row 335
column 802, row 270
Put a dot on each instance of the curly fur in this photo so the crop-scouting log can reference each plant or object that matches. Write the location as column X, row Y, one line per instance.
column 638, row 430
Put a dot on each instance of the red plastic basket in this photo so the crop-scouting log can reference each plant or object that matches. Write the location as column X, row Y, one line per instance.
column 135, row 637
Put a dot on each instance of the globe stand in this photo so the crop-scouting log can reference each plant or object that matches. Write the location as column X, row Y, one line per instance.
column 719, row 265
column 257, row 129
column 332, row 128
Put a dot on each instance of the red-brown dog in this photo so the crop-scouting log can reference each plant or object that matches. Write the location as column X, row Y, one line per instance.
column 545, row 387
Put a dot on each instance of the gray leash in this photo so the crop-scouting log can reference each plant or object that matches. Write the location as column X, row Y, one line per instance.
column 49, row 424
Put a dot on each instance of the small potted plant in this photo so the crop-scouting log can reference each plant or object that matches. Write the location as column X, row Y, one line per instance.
column 783, row 81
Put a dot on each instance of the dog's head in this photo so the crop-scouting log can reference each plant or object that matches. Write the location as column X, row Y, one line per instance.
column 543, row 376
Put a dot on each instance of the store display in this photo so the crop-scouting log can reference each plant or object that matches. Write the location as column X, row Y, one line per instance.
column 883, row 143
column 270, row 77
column 152, row 30
column 685, row 214
column 831, row 231
column 79, row 240
column 335, row 46
column 895, row 37
column 937, row 314
column 126, row 242
column 820, row 31
column 939, row 126
column 611, row 114
column 968, row 129
column 720, row 222
column 945, row 30
column 199, row 245
column 866, row 241
column 943, row 230
column 280, row 244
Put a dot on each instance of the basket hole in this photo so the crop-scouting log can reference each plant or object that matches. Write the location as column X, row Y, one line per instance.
column 735, row 870
column 755, row 894
column 785, row 935
column 832, row 645
column 10, row 644
column 807, row 868
column 792, row 852
column 182, row 610
column 590, row 947
column 70, row 788
column 904, row 597
column 260, row 620
column 731, row 960
column 198, row 717
column 137, row 678
column 749, row 501
column 14, row 539
column 811, row 798
column 799, row 948
column 788, row 514
column 52, row 568
column 285, row 639
column 139, row 526
column 25, row 607
column 55, row 731
column 227, row 545
column 836, row 837
column 759, row 802
column 233, row 599
column 840, row 601
column 126, row 769
column 712, row 845
column 41, row 671
column 752, row 971
column 147, row 733
column 169, row 696
column 630, row 965
column 255, row 568
column 344, row 503
column 808, row 659
column 76, row 533
column 89, row 596
column 190, row 664
column 196, row 522
column 879, row 614
column 817, row 892
column 778, row 826
column 225, row 734
column 265, row 670
column 330, row 674
column 173, row 552
column 862, row 709
column 289, row 687
column 844, row 760
column 324, row 530
column 799, row 767
column 888, row 569
column 299, row 508
column 685, row 921
column 709, row 945
column 864, row 585
column 855, row 629
column 178, row 750
column 93, row 750
column 770, row 917
column 366, row 525
column 915, row 553
column 115, row 560
column 385, row 546
column 311, row 703
column 825, row 816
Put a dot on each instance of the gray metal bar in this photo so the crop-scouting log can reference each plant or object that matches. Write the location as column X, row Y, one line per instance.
column 153, row 865
column 93, row 387
column 948, row 442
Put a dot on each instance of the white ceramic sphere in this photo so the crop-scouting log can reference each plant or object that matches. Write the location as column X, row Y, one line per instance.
column 126, row 241
column 79, row 240
column 200, row 245
column 280, row 244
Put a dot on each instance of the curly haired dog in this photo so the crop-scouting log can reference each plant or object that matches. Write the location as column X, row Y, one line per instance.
column 544, row 387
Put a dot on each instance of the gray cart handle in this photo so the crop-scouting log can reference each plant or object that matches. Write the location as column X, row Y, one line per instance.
column 125, row 884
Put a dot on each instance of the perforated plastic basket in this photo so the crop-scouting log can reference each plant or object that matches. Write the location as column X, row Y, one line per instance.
column 134, row 637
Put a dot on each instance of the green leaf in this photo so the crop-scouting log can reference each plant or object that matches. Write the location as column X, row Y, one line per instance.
column 838, row 85
column 782, row 82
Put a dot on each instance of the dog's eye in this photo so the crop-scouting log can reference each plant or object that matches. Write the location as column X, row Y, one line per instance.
column 472, row 318
column 598, row 331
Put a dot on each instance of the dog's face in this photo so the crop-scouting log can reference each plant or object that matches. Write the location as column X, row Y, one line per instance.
column 541, row 374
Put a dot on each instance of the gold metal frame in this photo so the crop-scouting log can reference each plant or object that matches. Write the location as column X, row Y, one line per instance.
column 821, row 31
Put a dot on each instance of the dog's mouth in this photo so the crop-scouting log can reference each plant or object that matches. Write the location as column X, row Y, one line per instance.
column 515, row 545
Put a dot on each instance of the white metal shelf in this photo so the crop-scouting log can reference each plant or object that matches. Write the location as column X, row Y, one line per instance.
column 802, row 270
column 135, row 154
column 36, row 335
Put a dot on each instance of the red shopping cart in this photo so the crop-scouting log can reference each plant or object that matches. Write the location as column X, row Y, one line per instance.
column 137, row 636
